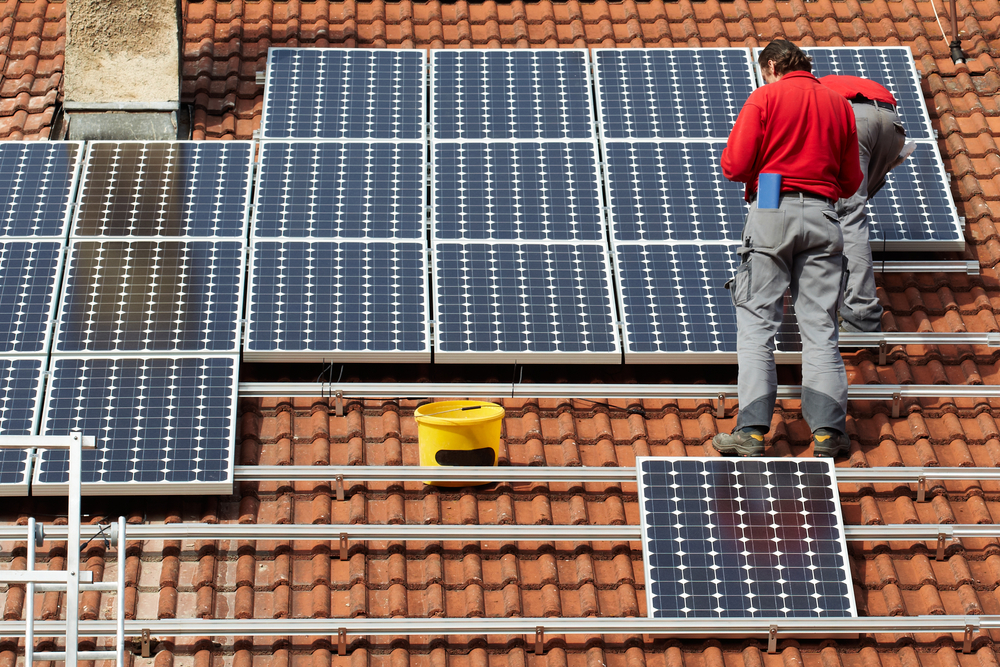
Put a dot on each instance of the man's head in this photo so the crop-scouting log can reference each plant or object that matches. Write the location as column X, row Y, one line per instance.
column 780, row 57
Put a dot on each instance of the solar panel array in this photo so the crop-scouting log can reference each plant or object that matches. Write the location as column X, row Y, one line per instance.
column 743, row 538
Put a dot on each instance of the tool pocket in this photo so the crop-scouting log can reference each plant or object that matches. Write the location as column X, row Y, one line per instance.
column 765, row 228
column 740, row 285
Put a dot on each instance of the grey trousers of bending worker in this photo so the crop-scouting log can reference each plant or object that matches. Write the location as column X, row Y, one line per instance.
column 880, row 138
column 799, row 245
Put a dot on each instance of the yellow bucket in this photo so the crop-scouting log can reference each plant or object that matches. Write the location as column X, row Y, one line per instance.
column 459, row 433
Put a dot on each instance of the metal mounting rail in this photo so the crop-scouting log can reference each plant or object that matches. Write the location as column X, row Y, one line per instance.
column 970, row 267
column 988, row 338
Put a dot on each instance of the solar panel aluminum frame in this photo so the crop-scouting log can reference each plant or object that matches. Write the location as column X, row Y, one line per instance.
column 136, row 488
column 688, row 356
column 21, row 488
column 259, row 177
column 598, row 182
column 58, row 319
column 56, row 293
column 324, row 356
column 614, row 357
column 265, row 112
column 433, row 86
column 245, row 223
column 71, row 193
column 599, row 98
column 838, row 513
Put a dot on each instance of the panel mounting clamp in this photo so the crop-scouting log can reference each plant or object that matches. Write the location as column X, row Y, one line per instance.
column 340, row 486
column 720, row 405
column 144, row 640
column 940, row 546
column 772, row 639
column 921, row 489
column 883, row 349
column 970, row 626
column 343, row 546
column 339, row 402
column 539, row 640
column 896, row 400
column 341, row 641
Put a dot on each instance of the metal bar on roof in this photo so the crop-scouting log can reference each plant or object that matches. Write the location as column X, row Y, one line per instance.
column 474, row 532
column 421, row 390
column 969, row 267
column 591, row 625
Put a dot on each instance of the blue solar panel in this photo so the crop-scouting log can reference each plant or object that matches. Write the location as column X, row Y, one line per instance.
column 316, row 93
column 891, row 66
column 36, row 187
column 348, row 190
column 675, row 305
column 914, row 210
column 327, row 300
column 152, row 296
column 193, row 188
column 20, row 402
column 526, row 302
column 671, row 93
column 162, row 426
column 522, row 94
column 754, row 538
column 517, row 191
column 671, row 191
column 29, row 274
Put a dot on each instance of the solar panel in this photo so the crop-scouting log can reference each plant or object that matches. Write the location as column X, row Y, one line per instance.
column 915, row 210
column 183, row 188
column 20, row 403
column 743, row 538
column 517, row 191
column 338, row 301
column 315, row 93
column 29, row 276
column 660, row 191
column 37, row 180
column 338, row 189
column 676, row 308
column 671, row 93
column 151, row 296
column 163, row 425
column 891, row 66
column 526, row 303
column 520, row 94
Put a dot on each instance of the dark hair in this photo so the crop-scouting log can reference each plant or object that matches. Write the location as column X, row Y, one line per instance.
column 786, row 56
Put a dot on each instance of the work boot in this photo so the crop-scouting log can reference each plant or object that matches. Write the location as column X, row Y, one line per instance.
column 747, row 441
column 830, row 442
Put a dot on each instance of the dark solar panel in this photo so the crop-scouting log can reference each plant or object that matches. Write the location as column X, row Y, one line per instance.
column 162, row 426
column 671, row 93
column 504, row 94
column 891, row 66
column 660, row 191
column 314, row 93
column 327, row 300
column 348, row 190
column 915, row 209
column 517, row 191
column 20, row 402
column 743, row 538
column 29, row 276
column 36, row 187
column 152, row 296
column 194, row 188
column 528, row 302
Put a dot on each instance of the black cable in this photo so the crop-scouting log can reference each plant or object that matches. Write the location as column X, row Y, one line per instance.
column 100, row 533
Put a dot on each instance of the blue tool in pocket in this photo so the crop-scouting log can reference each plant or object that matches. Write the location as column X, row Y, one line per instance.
column 768, row 190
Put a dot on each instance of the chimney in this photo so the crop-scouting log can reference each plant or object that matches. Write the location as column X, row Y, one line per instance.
column 122, row 72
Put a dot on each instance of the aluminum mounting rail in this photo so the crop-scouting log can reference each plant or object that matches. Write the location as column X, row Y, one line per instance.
column 970, row 266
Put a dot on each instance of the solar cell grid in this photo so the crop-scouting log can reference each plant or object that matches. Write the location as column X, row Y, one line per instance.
column 755, row 538
column 20, row 403
column 660, row 191
column 29, row 275
column 671, row 93
column 337, row 189
column 517, row 191
column 528, row 302
column 163, row 426
column 195, row 188
column 316, row 93
column 327, row 300
column 501, row 94
column 151, row 296
column 36, row 187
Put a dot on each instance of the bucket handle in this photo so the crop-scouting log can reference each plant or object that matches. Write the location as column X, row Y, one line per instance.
column 444, row 412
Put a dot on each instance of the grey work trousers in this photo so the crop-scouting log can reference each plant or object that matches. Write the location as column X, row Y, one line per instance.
column 799, row 246
column 880, row 138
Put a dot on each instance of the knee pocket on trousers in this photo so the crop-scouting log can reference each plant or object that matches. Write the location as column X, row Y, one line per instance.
column 741, row 285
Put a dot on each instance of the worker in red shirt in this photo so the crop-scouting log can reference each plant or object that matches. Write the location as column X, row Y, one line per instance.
column 880, row 139
column 803, row 131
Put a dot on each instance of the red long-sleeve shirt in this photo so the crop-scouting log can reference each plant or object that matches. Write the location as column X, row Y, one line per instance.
column 852, row 86
column 800, row 129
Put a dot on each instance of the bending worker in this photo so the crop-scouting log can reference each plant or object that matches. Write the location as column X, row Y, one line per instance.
column 880, row 140
column 798, row 128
